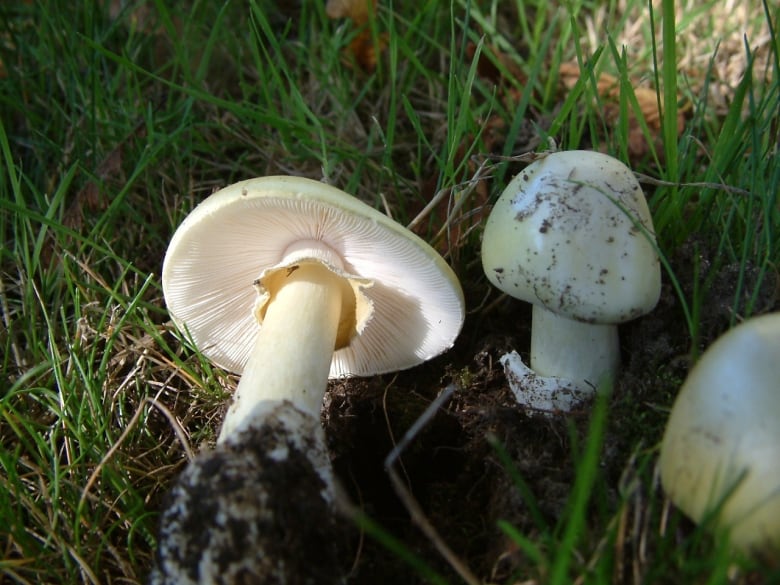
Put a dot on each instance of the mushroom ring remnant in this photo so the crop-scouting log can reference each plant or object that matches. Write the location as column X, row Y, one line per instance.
column 572, row 234
column 721, row 448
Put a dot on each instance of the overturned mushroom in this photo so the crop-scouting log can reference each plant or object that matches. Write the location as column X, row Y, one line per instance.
column 572, row 234
column 290, row 281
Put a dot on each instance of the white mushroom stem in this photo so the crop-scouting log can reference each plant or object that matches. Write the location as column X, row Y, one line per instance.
column 584, row 354
column 291, row 356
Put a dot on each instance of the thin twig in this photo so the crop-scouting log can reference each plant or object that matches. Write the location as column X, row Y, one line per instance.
column 435, row 200
column 389, row 426
column 530, row 157
column 463, row 192
column 415, row 511
column 704, row 185
column 86, row 570
column 526, row 157
column 343, row 501
column 388, row 211
column 21, row 363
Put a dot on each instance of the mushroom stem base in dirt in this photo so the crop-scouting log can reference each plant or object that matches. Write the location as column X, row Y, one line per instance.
column 259, row 508
column 291, row 356
column 569, row 360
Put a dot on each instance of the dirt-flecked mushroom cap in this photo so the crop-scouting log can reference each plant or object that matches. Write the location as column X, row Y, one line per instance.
column 567, row 233
column 409, row 304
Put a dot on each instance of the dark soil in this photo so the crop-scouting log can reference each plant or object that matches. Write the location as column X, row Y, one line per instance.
column 451, row 467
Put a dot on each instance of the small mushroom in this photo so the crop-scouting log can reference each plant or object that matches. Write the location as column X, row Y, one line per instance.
column 572, row 234
column 720, row 454
column 287, row 281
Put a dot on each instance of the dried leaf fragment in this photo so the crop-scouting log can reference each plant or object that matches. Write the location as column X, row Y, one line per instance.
column 364, row 48
column 608, row 87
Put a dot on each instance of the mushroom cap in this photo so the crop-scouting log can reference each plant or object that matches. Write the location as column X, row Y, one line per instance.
column 573, row 233
column 723, row 433
column 221, row 248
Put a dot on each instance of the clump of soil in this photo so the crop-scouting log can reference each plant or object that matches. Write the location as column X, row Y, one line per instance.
column 451, row 467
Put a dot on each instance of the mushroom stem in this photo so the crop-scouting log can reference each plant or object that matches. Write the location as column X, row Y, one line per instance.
column 291, row 356
column 583, row 353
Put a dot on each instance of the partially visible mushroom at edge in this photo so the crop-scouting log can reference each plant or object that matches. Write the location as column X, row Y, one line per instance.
column 720, row 454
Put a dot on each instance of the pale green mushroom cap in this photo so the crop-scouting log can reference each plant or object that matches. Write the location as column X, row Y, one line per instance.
column 724, row 433
column 572, row 232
